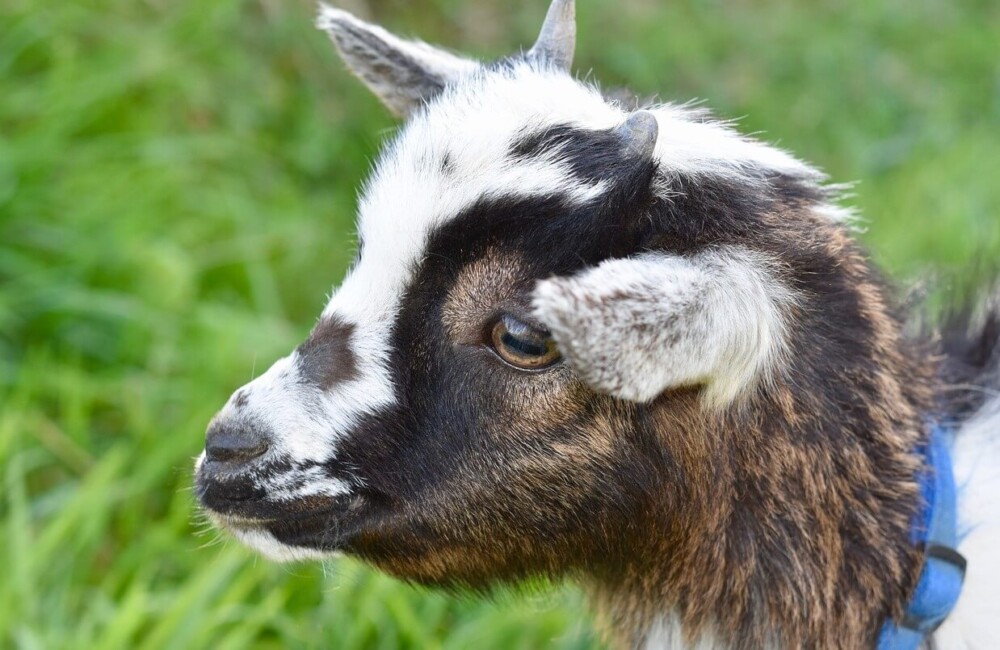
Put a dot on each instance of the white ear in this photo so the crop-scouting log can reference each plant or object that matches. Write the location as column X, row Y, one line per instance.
column 636, row 327
column 403, row 74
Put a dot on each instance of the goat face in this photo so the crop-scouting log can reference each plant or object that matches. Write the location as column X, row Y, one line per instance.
column 559, row 314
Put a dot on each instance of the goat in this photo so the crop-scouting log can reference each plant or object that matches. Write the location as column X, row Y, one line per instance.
column 630, row 347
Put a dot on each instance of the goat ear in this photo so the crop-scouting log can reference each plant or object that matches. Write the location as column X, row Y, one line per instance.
column 403, row 74
column 636, row 327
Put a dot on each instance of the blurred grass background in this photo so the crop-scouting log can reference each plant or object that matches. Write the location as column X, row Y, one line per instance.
column 177, row 183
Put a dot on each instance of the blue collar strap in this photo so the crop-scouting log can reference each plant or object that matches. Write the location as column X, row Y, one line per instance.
column 936, row 531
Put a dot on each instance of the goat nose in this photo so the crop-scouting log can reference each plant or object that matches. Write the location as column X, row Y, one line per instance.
column 233, row 442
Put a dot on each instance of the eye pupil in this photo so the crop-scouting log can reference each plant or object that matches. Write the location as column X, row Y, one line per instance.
column 522, row 345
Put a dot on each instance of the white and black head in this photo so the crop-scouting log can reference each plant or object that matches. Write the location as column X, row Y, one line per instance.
column 561, row 311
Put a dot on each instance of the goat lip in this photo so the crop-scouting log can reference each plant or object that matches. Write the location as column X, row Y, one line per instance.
column 328, row 532
column 327, row 529
column 229, row 498
column 262, row 512
column 239, row 499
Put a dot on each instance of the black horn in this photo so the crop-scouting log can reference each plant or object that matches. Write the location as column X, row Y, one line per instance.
column 638, row 133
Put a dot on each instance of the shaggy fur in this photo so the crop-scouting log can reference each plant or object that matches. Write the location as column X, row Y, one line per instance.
column 726, row 455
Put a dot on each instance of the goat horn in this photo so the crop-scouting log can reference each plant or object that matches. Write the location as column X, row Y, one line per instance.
column 557, row 40
column 639, row 132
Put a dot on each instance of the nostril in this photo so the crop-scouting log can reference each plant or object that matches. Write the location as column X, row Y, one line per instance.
column 232, row 443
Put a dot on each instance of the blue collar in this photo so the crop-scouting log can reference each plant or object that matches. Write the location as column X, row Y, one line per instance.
column 936, row 532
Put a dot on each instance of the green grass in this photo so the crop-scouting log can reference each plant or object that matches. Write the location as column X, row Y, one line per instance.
column 177, row 182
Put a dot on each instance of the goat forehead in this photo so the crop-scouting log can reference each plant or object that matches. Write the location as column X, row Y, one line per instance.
column 463, row 149
column 457, row 152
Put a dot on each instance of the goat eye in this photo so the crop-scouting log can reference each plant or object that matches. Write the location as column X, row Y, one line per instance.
column 522, row 345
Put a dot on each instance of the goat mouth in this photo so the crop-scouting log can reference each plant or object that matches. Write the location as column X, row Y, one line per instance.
column 264, row 496
column 261, row 510
column 326, row 527
column 323, row 533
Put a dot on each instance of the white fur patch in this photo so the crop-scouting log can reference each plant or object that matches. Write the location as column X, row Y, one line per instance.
column 638, row 326
column 691, row 144
column 975, row 622
column 304, row 425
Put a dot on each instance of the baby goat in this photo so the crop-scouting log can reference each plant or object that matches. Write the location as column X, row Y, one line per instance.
column 630, row 347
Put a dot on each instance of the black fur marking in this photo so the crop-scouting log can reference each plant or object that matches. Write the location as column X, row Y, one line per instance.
column 970, row 371
column 592, row 156
column 795, row 192
column 325, row 358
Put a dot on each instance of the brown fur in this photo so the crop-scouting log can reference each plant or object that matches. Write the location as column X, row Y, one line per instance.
column 781, row 518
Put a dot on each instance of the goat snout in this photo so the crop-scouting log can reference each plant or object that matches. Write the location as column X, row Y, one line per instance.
column 234, row 442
